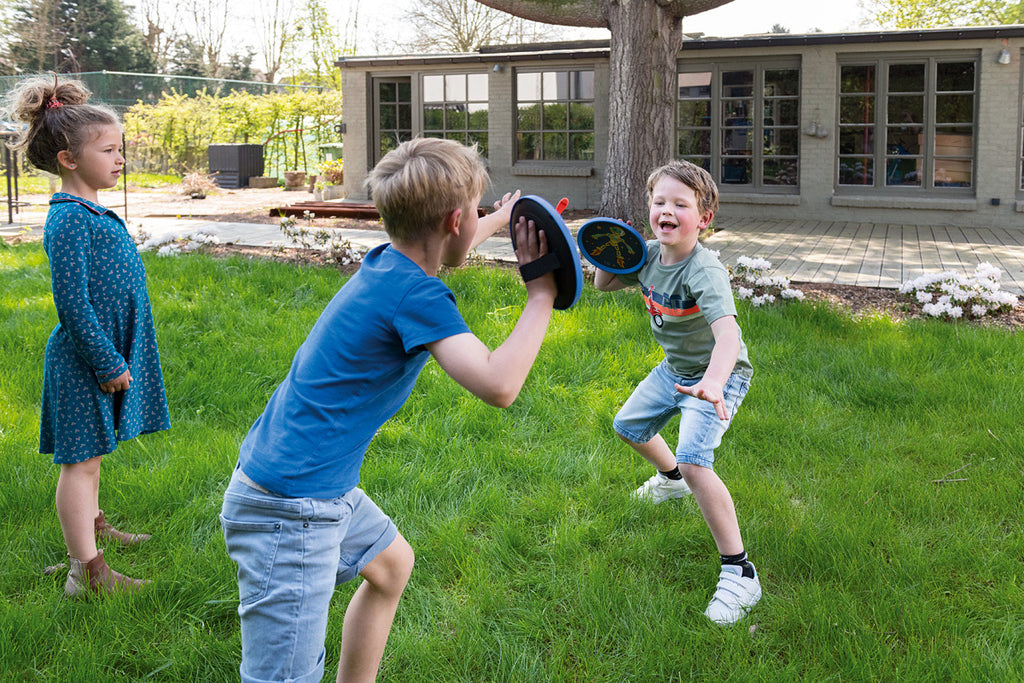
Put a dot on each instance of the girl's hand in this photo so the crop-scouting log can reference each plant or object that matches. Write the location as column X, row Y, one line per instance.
column 119, row 383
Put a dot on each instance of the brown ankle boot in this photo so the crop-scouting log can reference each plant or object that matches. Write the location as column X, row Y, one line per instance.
column 94, row 576
column 105, row 531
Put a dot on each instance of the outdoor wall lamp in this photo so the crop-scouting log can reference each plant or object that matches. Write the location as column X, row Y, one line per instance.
column 816, row 130
column 497, row 68
column 1004, row 54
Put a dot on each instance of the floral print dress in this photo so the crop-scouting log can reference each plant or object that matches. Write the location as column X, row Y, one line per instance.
column 105, row 328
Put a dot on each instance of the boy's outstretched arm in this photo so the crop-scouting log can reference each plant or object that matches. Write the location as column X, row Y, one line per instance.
column 492, row 222
column 607, row 282
column 723, row 360
column 496, row 377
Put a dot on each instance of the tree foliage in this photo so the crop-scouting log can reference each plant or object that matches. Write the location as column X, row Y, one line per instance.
column 465, row 25
column 74, row 35
column 276, row 34
column 173, row 135
column 323, row 44
column 910, row 14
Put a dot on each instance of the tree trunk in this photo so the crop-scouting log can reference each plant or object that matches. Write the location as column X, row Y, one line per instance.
column 645, row 43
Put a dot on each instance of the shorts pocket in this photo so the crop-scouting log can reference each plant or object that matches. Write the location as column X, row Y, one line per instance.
column 253, row 547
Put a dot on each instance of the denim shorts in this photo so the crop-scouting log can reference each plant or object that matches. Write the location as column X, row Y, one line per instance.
column 291, row 553
column 654, row 402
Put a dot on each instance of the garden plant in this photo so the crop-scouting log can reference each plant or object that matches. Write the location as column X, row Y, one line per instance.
column 876, row 465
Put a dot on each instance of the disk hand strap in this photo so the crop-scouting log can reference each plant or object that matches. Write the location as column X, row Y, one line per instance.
column 542, row 266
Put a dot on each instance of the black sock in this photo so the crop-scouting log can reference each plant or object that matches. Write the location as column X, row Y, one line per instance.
column 739, row 560
column 674, row 474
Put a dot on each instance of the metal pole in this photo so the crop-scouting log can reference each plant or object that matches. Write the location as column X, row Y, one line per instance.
column 7, row 172
column 124, row 177
column 17, row 195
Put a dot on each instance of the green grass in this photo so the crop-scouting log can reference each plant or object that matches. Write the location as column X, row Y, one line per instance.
column 39, row 184
column 533, row 564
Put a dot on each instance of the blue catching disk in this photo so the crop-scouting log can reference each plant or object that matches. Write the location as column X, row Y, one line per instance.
column 612, row 245
column 561, row 257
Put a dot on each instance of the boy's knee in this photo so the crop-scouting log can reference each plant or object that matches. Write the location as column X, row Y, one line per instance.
column 691, row 471
column 389, row 572
column 625, row 439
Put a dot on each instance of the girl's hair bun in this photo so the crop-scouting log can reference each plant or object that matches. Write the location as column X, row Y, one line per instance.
column 52, row 126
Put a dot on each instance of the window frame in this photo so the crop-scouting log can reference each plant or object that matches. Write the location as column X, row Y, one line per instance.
column 717, row 128
column 1020, row 129
column 402, row 133
column 543, row 129
column 881, row 157
column 468, row 134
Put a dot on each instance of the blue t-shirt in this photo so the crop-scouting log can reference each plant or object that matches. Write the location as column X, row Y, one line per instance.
column 354, row 371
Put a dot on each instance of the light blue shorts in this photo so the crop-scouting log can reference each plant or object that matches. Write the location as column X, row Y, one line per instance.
column 654, row 402
column 291, row 553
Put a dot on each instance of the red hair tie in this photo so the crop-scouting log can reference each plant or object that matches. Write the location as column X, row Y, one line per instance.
column 53, row 103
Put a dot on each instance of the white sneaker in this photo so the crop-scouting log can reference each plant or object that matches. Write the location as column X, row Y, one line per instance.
column 734, row 596
column 660, row 488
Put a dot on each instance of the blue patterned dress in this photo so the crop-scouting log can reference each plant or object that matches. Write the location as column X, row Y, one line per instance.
column 105, row 328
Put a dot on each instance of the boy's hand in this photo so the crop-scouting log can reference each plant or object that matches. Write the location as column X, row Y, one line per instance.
column 503, row 206
column 531, row 244
column 496, row 220
column 119, row 383
column 710, row 392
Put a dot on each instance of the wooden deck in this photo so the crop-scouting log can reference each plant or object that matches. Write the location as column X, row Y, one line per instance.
column 870, row 254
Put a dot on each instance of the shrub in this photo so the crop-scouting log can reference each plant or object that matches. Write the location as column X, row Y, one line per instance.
column 332, row 171
column 338, row 251
column 750, row 280
column 953, row 295
column 197, row 185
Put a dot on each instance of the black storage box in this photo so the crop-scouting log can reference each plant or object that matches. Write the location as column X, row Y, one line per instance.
column 233, row 165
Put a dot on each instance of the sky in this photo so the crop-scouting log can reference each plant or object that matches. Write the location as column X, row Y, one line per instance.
column 741, row 17
column 383, row 26
column 736, row 18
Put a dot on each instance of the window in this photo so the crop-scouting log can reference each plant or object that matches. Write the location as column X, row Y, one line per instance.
column 393, row 104
column 555, row 120
column 455, row 107
column 907, row 124
column 741, row 124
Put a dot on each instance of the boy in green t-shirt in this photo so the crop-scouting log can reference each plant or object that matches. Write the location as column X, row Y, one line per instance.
column 704, row 376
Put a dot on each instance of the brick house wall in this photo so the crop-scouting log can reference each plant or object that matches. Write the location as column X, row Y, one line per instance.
column 995, row 199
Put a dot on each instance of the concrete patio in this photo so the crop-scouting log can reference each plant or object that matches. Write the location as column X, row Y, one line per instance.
column 870, row 254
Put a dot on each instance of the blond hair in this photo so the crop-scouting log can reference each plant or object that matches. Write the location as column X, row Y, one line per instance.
column 416, row 185
column 57, row 119
column 694, row 177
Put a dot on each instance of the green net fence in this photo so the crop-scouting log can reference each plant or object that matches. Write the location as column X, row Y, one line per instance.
column 120, row 90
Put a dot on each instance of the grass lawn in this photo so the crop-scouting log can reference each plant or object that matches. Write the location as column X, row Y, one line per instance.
column 40, row 184
column 876, row 469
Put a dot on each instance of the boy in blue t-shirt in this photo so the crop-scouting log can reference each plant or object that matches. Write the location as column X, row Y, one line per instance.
column 703, row 378
column 293, row 517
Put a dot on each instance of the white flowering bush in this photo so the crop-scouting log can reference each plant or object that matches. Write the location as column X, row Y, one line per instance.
column 336, row 250
column 175, row 243
column 752, row 283
column 952, row 295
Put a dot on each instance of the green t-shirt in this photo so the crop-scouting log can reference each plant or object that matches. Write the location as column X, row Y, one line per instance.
column 683, row 300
